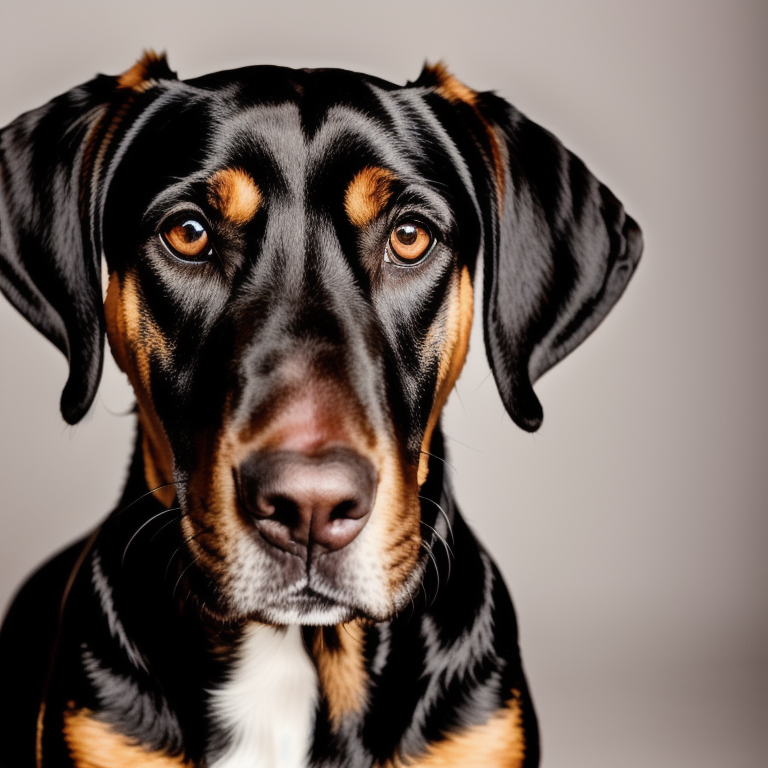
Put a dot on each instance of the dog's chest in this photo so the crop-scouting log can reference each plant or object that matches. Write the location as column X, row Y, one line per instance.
column 267, row 707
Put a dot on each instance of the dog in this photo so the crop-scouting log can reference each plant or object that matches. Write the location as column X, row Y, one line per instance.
column 283, row 264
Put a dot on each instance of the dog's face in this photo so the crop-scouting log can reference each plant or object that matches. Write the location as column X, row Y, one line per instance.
column 290, row 295
column 290, row 260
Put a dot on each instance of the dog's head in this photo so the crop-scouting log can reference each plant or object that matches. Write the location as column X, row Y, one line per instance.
column 290, row 259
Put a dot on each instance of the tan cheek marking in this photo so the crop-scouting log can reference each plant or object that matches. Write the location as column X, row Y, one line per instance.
column 338, row 652
column 367, row 195
column 137, row 78
column 235, row 195
column 93, row 744
column 132, row 337
column 397, row 498
column 211, row 498
column 452, row 359
column 499, row 743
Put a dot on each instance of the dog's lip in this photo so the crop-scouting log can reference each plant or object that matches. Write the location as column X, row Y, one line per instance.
column 306, row 592
column 308, row 597
column 309, row 602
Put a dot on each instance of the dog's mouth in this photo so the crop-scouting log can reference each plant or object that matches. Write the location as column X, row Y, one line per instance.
column 310, row 600
column 309, row 607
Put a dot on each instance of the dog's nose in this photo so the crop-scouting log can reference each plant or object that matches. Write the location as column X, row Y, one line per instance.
column 300, row 501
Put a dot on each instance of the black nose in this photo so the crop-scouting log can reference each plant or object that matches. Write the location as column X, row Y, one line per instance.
column 298, row 501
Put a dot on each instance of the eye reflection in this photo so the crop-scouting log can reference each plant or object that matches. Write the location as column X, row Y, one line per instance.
column 188, row 240
column 409, row 243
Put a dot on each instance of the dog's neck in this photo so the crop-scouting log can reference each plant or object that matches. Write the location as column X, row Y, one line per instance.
column 267, row 704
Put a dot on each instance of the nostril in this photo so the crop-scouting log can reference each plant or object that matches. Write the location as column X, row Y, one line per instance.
column 280, row 520
column 295, row 499
column 346, row 509
column 278, row 508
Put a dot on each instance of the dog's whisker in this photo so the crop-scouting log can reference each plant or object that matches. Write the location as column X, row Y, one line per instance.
column 464, row 445
column 428, row 549
column 181, row 575
column 444, row 514
column 423, row 589
column 458, row 396
column 179, row 548
column 442, row 540
column 444, row 461
column 142, row 497
column 485, row 378
column 164, row 526
column 142, row 527
column 448, row 550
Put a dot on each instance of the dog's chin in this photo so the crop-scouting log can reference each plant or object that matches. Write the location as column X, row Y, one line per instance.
column 308, row 611
column 307, row 608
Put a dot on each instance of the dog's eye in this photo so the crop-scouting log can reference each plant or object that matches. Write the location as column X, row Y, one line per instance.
column 409, row 243
column 188, row 240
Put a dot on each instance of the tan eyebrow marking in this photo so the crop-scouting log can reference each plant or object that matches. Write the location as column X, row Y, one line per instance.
column 235, row 194
column 367, row 195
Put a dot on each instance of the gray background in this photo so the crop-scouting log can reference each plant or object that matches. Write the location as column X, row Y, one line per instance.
column 632, row 528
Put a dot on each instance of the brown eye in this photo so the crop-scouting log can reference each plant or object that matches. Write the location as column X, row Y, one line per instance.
column 409, row 243
column 188, row 240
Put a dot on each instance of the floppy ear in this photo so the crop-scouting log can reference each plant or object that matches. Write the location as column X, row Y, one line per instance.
column 561, row 257
column 50, row 266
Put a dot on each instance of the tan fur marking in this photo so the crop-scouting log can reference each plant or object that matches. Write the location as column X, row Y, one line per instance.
column 367, row 194
column 455, row 91
column 341, row 668
column 96, row 148
column 132, row 338
column 234, row 194
column 456, row 345
column 450, row 87
column 499, row 743
column 93, row 744
column 39, row 735
column 137, row 78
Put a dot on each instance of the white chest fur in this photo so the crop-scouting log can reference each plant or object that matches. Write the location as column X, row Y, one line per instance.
column 268, row 704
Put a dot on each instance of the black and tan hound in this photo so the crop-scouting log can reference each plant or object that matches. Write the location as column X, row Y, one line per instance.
column 283, row 263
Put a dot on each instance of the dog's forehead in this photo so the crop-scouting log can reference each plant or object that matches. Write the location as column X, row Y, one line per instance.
column 276, row 108
column 261, row 84
column 291, row 130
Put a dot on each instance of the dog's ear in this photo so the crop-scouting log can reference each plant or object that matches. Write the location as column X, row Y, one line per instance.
column 50, row 266
column 563, row 253
column 559, row 249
